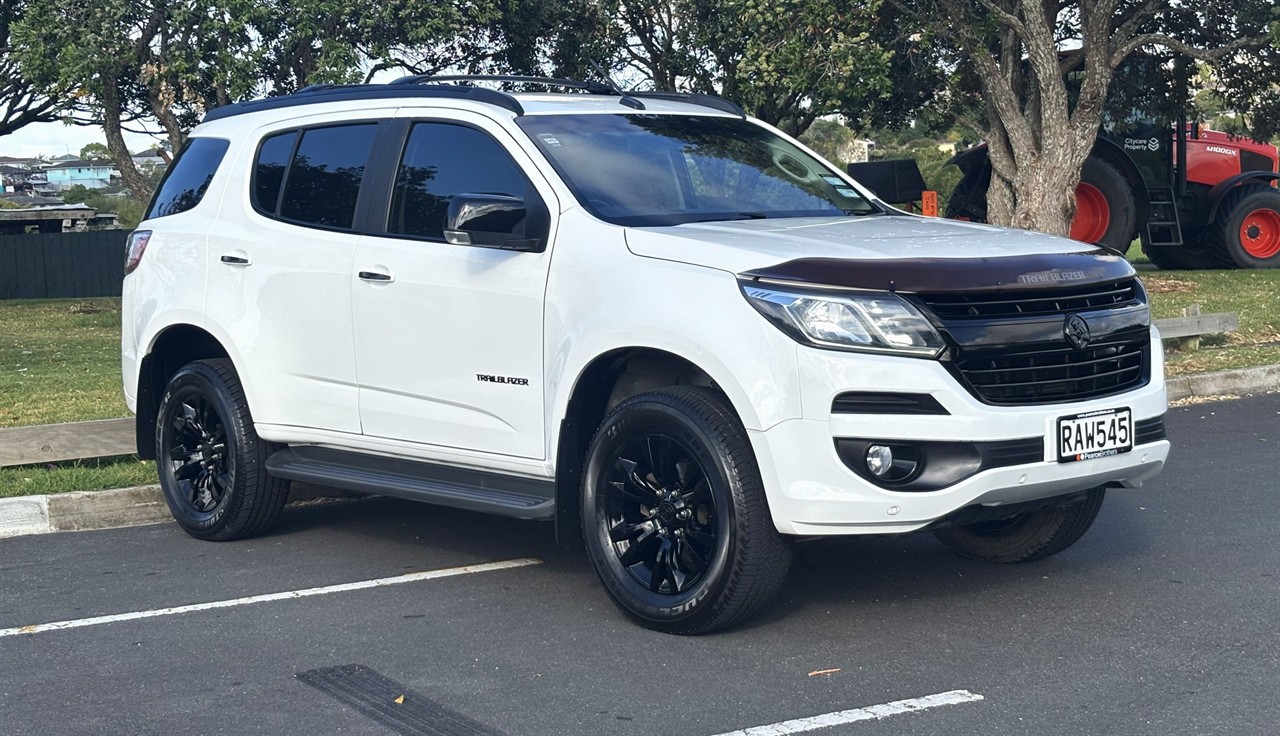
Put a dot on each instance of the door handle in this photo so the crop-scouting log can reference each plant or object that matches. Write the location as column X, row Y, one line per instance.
column 234, row 260
column 375, row 276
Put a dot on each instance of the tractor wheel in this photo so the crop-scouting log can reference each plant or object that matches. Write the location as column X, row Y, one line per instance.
column 1185, row 257
column 1106, row 211
column 1246, row 232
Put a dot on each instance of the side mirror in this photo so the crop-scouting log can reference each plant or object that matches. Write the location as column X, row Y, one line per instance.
column 490, row 221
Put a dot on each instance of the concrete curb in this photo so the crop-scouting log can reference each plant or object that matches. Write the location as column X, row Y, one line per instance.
column 119, row 507
column 1241, row 381
column 84, row 510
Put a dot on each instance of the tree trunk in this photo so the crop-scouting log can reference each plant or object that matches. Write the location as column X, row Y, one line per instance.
column 112, row 112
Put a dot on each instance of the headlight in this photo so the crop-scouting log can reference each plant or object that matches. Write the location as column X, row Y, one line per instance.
column 874, row 321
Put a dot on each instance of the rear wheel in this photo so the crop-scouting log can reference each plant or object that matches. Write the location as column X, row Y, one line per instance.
column 1026, row 537
column 1106, row 211
column 1246, row 232
column 674, row 514
column 211, row 462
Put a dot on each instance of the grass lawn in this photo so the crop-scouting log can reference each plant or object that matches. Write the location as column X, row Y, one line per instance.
column 60, row 362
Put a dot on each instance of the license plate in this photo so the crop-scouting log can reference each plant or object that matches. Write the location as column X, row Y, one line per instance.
column 1094, row 434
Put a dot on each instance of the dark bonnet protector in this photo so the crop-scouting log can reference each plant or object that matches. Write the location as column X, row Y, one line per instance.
column 925, row 275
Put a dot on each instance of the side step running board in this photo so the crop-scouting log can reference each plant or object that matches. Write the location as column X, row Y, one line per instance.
column 474, row 490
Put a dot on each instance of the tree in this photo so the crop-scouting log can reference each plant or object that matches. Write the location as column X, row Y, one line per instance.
column 94, row 152
column 1039, row 125
column 21, row 102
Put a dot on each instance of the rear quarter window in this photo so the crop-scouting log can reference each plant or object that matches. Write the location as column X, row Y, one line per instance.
column 188, row 177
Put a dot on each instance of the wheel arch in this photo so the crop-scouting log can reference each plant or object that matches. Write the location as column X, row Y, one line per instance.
column 603, row 382
column 1220, row 190
column 171, row 348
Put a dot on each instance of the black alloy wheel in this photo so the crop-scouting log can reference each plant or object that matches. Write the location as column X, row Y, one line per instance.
column 660, row 514
column 197, row 453
column 674, row 513
column 211, row 463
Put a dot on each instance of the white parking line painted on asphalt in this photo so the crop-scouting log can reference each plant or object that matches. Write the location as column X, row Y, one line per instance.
column 286, row 595
column 869, row 713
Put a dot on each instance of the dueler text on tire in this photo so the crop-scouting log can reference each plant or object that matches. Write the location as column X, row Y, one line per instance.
column 211, row 463
column 1106, row 212
column 1246, row 231
column 674, row 513
column 1025, row 537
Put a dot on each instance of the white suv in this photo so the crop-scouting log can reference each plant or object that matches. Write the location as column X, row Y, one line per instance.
column 670, row 329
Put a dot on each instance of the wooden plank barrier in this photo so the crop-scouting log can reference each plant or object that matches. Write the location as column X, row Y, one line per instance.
column 72, row 441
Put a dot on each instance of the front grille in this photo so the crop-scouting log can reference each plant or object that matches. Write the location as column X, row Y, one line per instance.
column 1031, row 303
column 1015, row 375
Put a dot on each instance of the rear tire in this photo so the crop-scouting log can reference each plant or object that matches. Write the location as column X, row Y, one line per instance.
column 211, row 462
column 1026, row 537
column 1117, row 195
column 1246, row 231
column 674, row 514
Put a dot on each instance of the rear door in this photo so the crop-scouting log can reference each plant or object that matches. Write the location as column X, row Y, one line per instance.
column 280, row 276
column 448, row 338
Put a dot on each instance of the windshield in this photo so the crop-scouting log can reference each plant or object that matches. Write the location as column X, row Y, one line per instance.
column 672, row 169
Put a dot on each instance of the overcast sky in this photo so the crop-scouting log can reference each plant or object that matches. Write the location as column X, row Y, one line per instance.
column 56, row 139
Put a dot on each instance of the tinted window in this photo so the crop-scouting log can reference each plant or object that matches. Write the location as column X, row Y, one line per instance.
column 441, row 160
column 268, row 170
column 672, row 169
column 324, row 179
column 188, row 177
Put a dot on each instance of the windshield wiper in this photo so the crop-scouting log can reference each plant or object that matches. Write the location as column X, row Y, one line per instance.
column 736, row 216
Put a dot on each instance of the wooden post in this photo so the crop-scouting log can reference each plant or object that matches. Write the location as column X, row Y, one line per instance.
column 1192, row 342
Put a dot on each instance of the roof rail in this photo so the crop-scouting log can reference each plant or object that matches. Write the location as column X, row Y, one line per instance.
column 456, row 87
column 341, row 92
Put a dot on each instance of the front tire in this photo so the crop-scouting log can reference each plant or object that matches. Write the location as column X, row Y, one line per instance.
column 1246, row 232
column 674, row 513
column 211, row 462
column 1026, row 537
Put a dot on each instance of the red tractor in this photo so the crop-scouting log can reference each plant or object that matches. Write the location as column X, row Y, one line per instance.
column 1197, row 198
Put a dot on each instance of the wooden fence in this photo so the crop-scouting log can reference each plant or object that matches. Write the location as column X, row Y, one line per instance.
column 68, row 265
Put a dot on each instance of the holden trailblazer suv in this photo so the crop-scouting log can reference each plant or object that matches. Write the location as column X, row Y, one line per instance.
column 667, row 328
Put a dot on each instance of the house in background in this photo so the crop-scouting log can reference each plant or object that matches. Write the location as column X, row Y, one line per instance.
column 151, row 157
column 89, row 174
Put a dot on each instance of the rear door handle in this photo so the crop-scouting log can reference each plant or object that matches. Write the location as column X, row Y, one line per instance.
column 375, row 276
column 235, row 260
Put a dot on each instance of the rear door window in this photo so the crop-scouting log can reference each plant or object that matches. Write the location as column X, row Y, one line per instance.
column 322, row 184
column 188, row 177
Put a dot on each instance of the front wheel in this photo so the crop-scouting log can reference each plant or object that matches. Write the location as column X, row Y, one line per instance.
column 211, row 462
column 674, row 513
column 1034, row 535
column 1246, row 232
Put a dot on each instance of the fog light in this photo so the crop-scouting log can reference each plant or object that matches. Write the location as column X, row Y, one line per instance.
column 879, row 460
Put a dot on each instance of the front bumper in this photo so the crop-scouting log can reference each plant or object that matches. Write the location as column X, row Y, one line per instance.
column 812, row 492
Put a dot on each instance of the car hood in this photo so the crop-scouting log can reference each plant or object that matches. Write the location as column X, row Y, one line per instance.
column 899, row 252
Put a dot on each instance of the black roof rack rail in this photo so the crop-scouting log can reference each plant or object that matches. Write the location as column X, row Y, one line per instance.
column 342, row 92
column 447, row 86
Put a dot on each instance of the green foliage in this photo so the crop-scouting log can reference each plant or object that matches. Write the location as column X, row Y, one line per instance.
column 94, row 152
column 5, row 204
column 831, row 139
column 127, row 207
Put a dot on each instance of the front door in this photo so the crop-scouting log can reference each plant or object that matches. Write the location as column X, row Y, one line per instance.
column 449, row 348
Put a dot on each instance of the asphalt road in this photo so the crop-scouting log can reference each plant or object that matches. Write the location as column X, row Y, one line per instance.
column 1164, row 619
